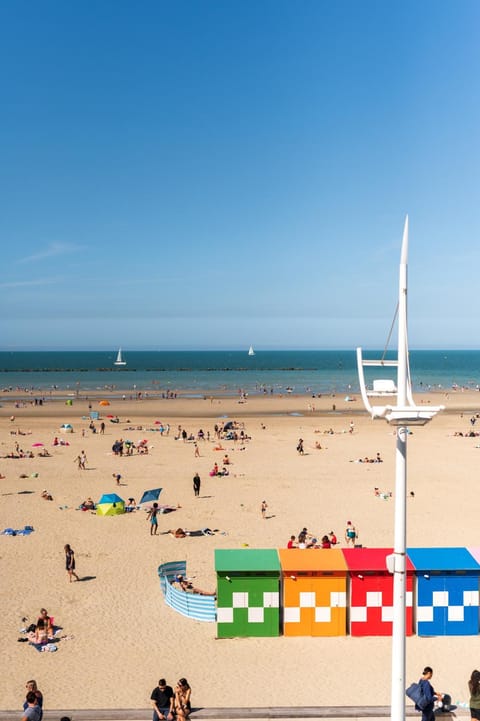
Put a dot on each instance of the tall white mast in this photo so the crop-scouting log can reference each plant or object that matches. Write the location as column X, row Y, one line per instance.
column 401, row 415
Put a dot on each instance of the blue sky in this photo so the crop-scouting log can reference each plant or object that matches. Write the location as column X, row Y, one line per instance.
column 214, row 174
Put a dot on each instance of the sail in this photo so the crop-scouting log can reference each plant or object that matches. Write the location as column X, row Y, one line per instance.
column 251, row 351
column 120, row 361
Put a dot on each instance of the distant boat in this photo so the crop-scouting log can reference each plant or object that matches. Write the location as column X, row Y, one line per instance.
column 251, row 351
column 120, row 361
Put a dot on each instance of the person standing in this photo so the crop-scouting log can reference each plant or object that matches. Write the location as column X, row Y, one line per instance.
column 351, row 534
column 152, row 517
column 474, row 688
column 429, row 693
column 300, row 447
column 32, row 711
column 160, row 698
column 263, row 509
column 196, row 484
column 83, row 461
column 70, row 562
column 197, row 451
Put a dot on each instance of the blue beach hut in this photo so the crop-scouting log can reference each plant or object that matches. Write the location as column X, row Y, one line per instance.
column 447, row 591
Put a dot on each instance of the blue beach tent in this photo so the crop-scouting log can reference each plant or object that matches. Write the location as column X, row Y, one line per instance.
column 447, row 591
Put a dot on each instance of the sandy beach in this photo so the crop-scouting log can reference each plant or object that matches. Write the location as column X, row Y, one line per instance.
column 121, row 637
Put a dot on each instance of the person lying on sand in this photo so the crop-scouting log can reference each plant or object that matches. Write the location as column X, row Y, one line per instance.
column 188, row 587
column 46, row 495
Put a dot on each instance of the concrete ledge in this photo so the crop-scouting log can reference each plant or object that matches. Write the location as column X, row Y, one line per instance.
column 333, row 713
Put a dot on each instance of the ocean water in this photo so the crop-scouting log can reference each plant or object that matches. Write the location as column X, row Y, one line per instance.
column 193, row 373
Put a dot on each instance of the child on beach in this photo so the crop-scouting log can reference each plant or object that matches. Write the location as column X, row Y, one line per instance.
column 152, row 517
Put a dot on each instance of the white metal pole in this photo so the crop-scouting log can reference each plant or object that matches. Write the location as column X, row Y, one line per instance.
column 400, row 536
column 399, row 581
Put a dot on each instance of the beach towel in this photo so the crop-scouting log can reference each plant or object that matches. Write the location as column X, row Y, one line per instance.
column 26, row 531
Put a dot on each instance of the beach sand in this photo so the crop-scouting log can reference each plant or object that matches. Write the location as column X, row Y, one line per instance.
column 124, row 636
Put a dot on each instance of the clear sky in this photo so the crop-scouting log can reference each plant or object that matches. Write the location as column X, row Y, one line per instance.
column 215, row 173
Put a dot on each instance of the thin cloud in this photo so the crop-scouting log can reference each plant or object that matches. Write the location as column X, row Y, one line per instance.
column 51, row 251
column 28, row 283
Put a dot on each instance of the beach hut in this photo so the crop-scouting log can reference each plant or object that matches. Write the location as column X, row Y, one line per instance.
column 110, row 505
column 314, row 592
column 371, row 592
column 447, row 591
column 248, row 592
column 66, row 428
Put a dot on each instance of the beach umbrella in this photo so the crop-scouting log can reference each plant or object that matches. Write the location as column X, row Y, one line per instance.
column 151, row 495
column 37, row 445
column 104, row 403
column 110, row 504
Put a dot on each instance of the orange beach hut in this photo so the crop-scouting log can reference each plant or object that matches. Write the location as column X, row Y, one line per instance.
column 314, row 592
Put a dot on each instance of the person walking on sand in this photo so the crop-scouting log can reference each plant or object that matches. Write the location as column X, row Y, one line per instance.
column 300, row 447
column 70, row 562
column 197, row 450
column 196, row 484
column 78, row 461
column 351, row 534
column 152, row 517
column 474, row 688
column 83, row 461
column 429, row 693
column 263, row 509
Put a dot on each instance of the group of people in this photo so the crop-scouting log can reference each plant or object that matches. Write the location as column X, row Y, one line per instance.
column 217, row 472
column 308, row 540
column 169, row 703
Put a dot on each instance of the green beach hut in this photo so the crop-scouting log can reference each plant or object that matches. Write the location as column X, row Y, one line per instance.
column 248, row 592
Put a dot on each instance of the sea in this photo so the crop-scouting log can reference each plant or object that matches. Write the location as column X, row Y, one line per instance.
column 204, row 373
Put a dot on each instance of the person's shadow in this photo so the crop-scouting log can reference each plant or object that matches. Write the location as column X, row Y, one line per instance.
column 86, row 578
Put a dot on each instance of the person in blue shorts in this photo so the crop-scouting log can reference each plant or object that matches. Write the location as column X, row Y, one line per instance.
column 152, row 517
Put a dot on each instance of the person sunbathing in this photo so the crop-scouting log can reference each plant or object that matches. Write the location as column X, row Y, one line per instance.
column 179, row 533
column 47, row 621
column 41, row 635
column 188, row 587
column 88, row 505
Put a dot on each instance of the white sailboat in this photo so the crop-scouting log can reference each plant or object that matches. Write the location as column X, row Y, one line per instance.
column 120, row 361
column 251, row 351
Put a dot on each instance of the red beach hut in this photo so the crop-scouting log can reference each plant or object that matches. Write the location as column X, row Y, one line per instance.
column 371, row 592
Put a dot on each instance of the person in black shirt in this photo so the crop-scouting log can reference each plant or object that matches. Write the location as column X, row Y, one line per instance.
column 160, row 699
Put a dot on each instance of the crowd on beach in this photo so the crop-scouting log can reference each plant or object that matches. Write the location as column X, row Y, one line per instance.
column 225, row 439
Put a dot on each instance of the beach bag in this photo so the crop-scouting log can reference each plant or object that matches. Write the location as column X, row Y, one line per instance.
column 415, row 693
